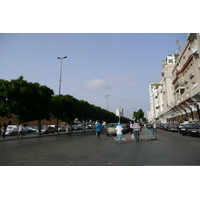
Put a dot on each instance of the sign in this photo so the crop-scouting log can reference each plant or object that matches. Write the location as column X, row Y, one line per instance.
column 119, row 112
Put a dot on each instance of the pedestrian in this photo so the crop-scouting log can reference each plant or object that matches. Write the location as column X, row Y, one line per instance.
column 119, row 129
column 154, row 128
column 136, row 129
column 3, row 130
column 67, row 128
column 131, row 127
column 141, row 127
column 20, row 131
column 98, row 129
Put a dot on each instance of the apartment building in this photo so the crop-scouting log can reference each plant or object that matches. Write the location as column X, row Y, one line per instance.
column 152, row 114
column 186, row 82
column 180, row 85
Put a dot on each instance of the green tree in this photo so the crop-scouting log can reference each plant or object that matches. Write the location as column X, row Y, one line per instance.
column 139, row 115
column 5, row 102
column 28, row 101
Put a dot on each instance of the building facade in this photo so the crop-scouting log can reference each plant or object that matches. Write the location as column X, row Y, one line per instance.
column 179, row 92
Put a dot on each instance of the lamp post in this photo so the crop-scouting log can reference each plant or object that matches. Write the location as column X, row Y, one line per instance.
column 60, row 82
column 60, row 71
column 107, row 100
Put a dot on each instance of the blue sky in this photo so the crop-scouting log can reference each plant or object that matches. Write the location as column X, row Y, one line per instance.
column 121, row 65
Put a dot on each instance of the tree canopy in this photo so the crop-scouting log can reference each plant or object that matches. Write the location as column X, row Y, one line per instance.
column 32, row 101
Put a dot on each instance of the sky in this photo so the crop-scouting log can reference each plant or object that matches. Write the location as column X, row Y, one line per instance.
column 121, row 65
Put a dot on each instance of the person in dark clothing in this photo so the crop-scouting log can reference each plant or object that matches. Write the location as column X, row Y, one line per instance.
column 4, row 128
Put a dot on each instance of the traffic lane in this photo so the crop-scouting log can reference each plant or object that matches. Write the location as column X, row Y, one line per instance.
column 83, row 149
column 68, row 149
column 172, row 149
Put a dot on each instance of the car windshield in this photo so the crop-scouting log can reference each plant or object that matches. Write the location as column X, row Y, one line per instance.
column 196, row 126
column 112, row 125
column 188, row 125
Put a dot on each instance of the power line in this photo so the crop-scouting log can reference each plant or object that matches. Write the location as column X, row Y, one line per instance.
column 104, row 95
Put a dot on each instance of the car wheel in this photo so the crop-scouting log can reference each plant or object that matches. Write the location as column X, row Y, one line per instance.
column 107, row 134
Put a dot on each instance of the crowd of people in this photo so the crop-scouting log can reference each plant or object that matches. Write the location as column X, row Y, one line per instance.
column 135, row 129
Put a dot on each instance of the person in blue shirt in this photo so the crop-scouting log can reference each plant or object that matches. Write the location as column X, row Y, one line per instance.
column 98, row 129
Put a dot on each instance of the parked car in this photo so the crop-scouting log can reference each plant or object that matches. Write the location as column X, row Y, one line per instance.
column 30, row 129
column 88, row 127
column 184, row 129
column 166, row 126
column 173, row 128
column 149, row 126
column 162, row 126
column 77, row 127
column 48, row 129
column 183, row 124
column 126, row 128
column 194, row 130
column 13, row 130
column 110, row 130
column 62, row 129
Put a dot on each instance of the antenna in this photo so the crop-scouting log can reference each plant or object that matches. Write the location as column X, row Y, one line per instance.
column 178, row 46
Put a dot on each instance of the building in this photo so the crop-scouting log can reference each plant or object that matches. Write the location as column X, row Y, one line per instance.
column 186, row 82
column 179, row 92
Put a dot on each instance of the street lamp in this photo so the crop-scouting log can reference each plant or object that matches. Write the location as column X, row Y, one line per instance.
column 107, row 100
column 60, row 82
column 61, row 71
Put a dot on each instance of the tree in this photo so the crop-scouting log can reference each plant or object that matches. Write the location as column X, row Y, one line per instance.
column 28, row 101
column 5, row 102
column 139, row 115
column 65, row 108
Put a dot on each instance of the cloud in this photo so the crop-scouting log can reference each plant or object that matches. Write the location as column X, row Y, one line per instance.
column 132, row 85
column 98, row 84
column 122, row 77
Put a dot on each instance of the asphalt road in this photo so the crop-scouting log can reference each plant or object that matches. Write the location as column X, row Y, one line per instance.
column 83, row 149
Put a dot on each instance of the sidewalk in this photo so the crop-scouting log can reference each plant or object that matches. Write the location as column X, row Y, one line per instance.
column 27, row 136
column 146, row 134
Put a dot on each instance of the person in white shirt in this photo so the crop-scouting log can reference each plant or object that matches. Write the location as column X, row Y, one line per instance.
column 20, row 131
column 131, row 127
column 119, row 129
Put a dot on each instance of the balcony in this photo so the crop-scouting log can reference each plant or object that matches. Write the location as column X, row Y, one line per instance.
column 179, row 86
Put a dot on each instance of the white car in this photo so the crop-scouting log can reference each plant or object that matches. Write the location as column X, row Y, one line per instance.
column 13, row 130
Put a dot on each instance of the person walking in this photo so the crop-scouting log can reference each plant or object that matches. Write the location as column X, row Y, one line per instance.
column 131, row 127
column 154, row 128
column 19, row 131
column 119, row 129
column 3, row 130
column 136, row 129
column 98, row 129
column 67, row 128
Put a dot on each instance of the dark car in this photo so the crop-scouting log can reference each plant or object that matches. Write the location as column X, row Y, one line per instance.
column 173, row 128
column 166, row 126
column 149, row 126
column 184, row 129
column 194, row 130
column 126, row 128
column 161, row 126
